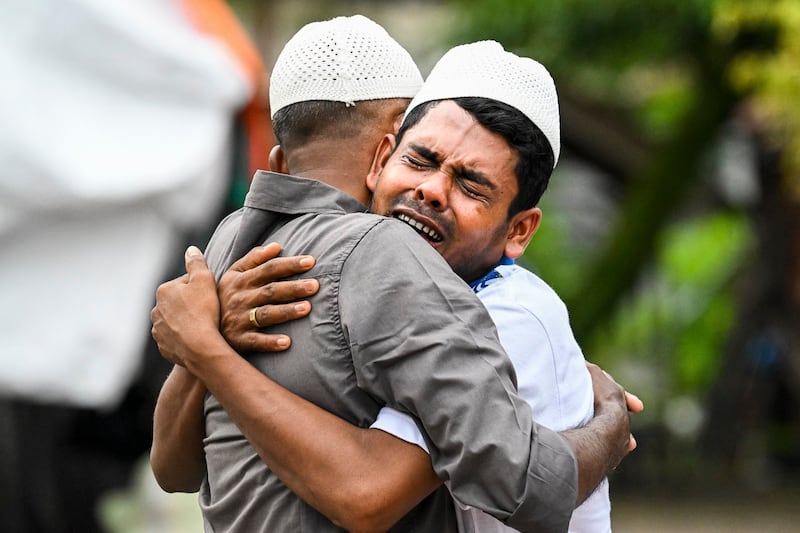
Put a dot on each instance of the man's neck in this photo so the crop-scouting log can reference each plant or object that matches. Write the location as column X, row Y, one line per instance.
column 329, row 162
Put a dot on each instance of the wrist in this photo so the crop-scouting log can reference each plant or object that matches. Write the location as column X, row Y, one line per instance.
column 205, row 352
column 613, row 421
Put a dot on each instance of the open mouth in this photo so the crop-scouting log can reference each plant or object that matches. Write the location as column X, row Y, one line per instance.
column 421, row 228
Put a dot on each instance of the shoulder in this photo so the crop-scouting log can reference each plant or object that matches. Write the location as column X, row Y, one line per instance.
column 385, row 226
column 523, row 291
column 230, row 222
column 530, row 317
column 221, row 241
column 355, row 242
column 393, row 266
column 392, row 244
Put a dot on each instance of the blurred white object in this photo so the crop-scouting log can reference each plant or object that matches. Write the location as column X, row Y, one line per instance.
column 116, row 130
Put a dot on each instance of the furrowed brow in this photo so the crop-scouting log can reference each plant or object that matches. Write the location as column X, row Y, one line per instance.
column 460, row 172
column 475, row 176
column 426, row 153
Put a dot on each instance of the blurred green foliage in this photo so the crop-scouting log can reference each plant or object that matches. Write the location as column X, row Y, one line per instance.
column 699, row 260
column 771, row 75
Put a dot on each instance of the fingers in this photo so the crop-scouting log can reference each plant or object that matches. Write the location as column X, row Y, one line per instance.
column 240, row 333
column 254, row 292
column 155, row 332
column 195, row 262
column 257, row 256
column 600, row 381
column 262, row 342
column 281, row 268
column 269, row 315
column 635, row 405
column 265, row 265
column 286, row 291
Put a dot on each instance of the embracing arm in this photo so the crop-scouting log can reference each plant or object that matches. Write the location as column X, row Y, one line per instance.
column 602, row 444
column 177, row 457
column 361, row 479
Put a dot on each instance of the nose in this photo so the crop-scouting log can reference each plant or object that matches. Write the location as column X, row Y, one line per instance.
column 433, row 190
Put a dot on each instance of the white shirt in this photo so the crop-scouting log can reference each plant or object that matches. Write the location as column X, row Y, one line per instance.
column 533, row 326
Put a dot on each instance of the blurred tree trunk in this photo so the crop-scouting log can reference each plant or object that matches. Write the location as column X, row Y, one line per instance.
column 759, row 382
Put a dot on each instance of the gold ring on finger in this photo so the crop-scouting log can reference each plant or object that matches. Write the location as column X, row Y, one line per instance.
column 254, row 318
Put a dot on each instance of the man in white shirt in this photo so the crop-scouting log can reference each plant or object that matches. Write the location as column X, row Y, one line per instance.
column 532, row 321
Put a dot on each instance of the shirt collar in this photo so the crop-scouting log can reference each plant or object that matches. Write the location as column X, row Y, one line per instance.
column 491, row 276
column 293, row 195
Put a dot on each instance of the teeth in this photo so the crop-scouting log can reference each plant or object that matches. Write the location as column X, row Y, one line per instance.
column 420, row 227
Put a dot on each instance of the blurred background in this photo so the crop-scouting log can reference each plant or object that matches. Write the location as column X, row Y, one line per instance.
column 671, row 228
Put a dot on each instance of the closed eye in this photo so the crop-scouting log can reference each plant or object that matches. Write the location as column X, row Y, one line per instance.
column 416, row 162
column 471, row 189
column 422, row 156
column 475, row 184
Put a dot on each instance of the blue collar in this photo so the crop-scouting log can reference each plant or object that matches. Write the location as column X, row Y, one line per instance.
column 483, row 282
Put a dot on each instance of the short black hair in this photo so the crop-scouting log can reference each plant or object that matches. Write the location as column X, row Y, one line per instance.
column 536, row 158
column 301, row 122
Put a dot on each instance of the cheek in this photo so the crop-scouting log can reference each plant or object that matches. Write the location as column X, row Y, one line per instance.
column 378, row 205
column 482, row 233
column 471, row 218
column 394, row 182
column 384, row 197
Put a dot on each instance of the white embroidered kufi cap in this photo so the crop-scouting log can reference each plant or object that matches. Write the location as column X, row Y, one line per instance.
column 485, row 69
column 345, row 59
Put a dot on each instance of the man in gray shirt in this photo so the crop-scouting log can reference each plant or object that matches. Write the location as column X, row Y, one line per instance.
column 391, row 325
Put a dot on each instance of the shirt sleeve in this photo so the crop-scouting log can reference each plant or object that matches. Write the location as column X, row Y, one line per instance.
column 401, row 426
column 423, row 343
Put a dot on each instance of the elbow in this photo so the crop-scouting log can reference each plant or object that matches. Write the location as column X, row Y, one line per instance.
column 172, row 486
column 174, row 480
column 364, row 524
column 365, row 513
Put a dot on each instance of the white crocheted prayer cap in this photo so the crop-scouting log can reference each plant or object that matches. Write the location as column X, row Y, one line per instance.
column 344, row 59
column 485, row 69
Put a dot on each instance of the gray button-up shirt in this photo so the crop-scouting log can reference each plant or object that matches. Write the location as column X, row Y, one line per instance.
column 391, row 325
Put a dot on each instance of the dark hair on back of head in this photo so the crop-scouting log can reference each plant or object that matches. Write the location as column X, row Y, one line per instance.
column 536, row 157
column 301, row 122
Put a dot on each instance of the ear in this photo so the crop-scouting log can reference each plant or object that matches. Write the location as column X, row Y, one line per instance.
column 277, row 161
column 520, row 231
column 382, row 153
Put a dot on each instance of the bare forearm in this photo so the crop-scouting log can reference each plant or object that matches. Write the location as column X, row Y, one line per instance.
column 177, row 457
column 599, row 447
column 606, row 439
column 358, row 478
